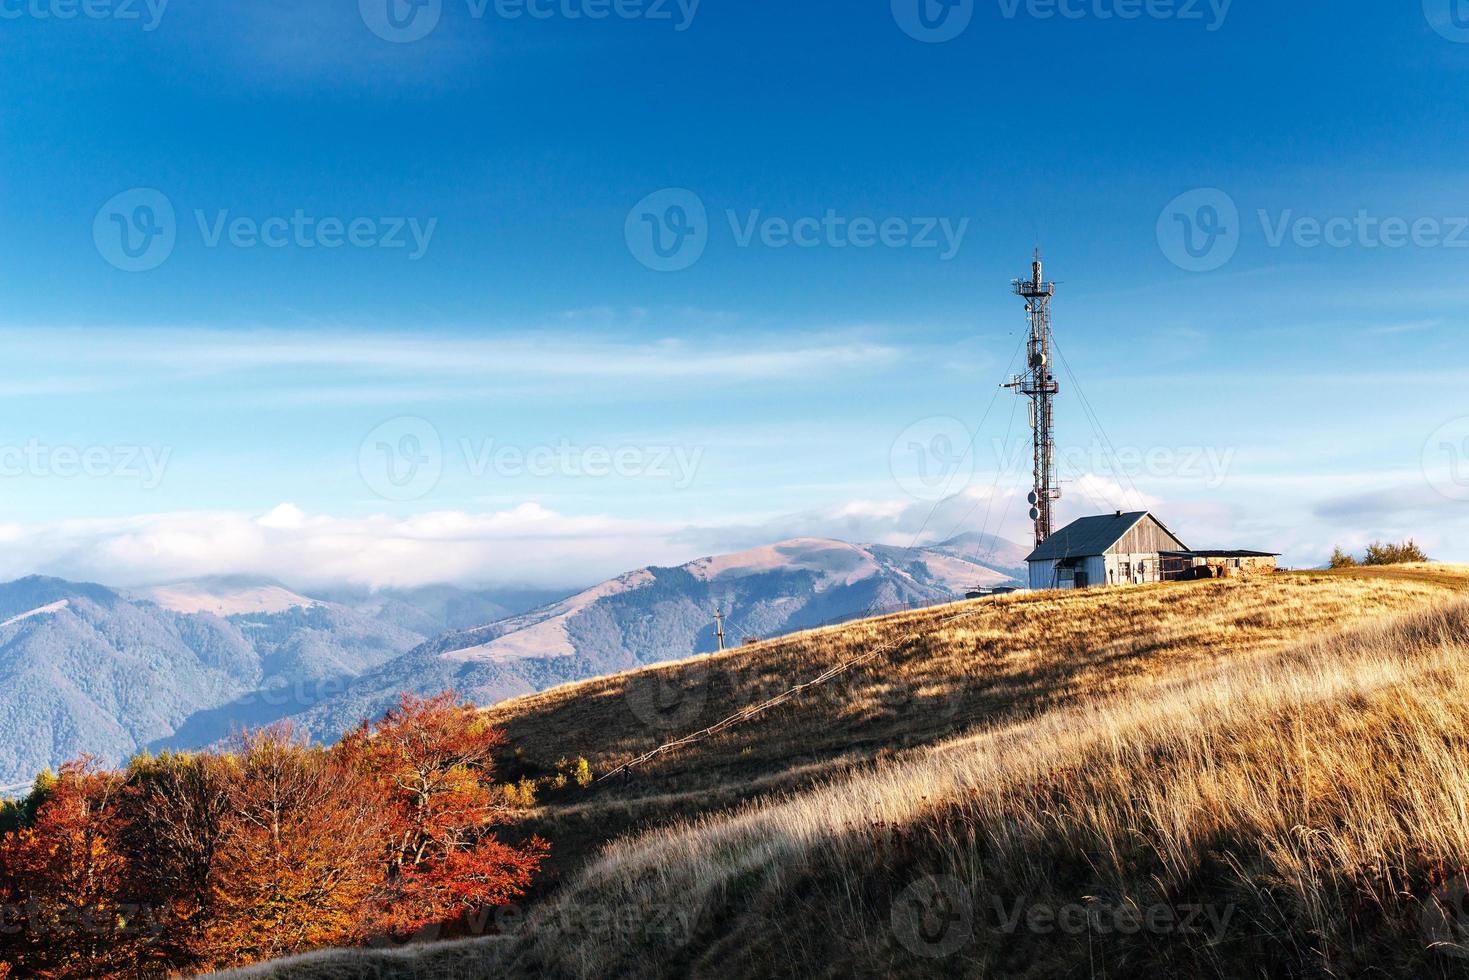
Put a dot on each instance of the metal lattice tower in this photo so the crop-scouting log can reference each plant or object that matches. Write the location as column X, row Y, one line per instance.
column 1039, row 385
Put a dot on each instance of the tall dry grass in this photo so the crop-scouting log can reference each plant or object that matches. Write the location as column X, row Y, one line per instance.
column 1222, row 746
column 1315, row 800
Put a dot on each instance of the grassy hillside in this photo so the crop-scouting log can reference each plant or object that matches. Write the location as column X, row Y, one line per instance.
column 1238, row 778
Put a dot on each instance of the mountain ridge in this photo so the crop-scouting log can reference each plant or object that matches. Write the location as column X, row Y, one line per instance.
column 89, row 669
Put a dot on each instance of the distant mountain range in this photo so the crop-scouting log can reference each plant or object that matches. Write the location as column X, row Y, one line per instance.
column 88, row 669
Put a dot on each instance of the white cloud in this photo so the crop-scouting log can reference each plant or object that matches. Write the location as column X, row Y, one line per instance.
column 525, row 545
column 365, row 361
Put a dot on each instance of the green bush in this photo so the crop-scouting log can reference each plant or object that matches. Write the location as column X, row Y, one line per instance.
column 1394, row 554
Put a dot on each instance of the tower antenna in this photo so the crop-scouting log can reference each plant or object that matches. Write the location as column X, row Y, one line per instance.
column 1039, row 385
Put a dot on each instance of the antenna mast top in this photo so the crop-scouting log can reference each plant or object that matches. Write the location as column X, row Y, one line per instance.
column 1039, row 385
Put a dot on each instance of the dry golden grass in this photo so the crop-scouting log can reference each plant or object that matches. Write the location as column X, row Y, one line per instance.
column 1222, row 745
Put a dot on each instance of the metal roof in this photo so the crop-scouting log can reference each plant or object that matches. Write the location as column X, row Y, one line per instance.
column 1088, row 536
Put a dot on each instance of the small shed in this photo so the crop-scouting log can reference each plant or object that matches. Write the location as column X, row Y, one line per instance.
column 1110, row 549
column 1219, row 564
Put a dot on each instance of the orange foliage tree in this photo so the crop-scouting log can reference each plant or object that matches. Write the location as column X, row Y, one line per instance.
column 433, row 761
column 67, row 883
column 179, row 808
column 297, row 859
column 189, row 862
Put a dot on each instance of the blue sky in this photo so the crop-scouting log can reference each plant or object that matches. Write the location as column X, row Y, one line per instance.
column 1293, row 380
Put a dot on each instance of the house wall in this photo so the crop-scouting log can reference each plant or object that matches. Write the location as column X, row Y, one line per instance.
column 1042, row 575
column 1132, row 568
column 1146, row 538
column 1047, row 575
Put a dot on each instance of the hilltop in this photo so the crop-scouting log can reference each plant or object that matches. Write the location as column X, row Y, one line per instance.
column 1271, row 769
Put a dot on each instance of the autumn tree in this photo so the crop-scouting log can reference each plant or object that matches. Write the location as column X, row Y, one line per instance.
column 298, row 855
column 188, row 862
column 179, row 809
column 68, row 883
column 433, row 761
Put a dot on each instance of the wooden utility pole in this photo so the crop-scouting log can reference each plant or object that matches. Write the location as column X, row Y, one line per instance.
column 719, row 626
